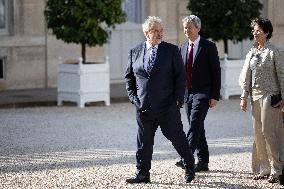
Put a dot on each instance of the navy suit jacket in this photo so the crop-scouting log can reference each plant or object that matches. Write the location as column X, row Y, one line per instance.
column 163, row 86
column 206, row 71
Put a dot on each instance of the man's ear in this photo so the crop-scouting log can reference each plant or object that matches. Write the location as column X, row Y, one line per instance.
column 146, row 34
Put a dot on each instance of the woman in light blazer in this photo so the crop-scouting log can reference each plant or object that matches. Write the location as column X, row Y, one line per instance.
column 261, row 77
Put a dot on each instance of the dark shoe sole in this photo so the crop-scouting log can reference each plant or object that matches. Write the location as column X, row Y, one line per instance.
column 202, row 169
column 137, row 181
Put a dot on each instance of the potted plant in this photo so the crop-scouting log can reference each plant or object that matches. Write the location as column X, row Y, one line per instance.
column 223, row 21
column 88, row 23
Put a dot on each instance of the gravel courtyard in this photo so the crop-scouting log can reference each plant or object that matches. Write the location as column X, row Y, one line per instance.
column 94, row 147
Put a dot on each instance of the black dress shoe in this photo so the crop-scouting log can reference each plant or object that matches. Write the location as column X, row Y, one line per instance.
column 272, row 179
column 139, row 179
column 189, row 175
column 180, row 164
column 201, row 167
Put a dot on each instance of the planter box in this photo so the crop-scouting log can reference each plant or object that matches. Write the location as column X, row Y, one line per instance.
column 230, row 72
column 83, row 83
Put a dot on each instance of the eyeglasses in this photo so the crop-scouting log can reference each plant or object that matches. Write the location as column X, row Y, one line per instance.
column 156, row 31
column 256, row 31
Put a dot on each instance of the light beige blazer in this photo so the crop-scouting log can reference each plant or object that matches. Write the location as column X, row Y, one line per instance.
column 269, row 73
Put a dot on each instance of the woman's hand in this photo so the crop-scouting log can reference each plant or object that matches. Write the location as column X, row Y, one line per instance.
column 281, row 104
column 243, row 104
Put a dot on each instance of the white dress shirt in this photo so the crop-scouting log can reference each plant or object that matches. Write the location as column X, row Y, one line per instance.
column 195, row 47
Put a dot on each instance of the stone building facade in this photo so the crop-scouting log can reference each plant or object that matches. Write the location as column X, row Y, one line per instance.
column 29, row 53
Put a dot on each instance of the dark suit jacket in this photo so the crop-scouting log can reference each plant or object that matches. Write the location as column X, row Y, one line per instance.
column 206, row 72
column 163, row 86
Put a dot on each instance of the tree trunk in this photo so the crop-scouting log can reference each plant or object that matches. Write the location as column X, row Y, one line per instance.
column 225, row 46
column 83, row 53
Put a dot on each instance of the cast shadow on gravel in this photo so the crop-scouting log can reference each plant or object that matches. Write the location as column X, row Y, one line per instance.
column 88, row 158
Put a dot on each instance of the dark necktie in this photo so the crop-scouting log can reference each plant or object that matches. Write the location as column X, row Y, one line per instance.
column 152, row 57
column 189, row 67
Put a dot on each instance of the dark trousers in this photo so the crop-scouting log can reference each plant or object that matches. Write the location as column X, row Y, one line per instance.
column 171, row 127
column 196, row 108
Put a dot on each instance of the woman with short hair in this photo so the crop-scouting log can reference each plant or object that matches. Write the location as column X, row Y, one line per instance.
column 262, row 78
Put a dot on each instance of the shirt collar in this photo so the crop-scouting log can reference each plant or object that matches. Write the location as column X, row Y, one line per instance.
column 148, row 45
column 196, row 42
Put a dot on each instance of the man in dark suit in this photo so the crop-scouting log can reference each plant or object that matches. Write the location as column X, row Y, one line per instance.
column 155, row 83
column 203, row 74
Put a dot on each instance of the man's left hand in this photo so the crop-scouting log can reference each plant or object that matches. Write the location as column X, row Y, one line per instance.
column 212, row 103
column 179, row 104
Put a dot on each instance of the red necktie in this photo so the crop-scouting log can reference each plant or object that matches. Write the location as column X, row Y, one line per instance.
column 189, row 67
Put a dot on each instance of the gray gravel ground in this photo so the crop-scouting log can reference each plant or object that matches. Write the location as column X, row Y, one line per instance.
column 94, row 147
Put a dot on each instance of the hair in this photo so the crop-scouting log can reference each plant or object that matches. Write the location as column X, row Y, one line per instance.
column 264, row 24
column 150, row 21
column 194, row 19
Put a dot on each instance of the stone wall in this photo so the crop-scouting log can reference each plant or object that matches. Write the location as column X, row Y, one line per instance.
column 24, row 46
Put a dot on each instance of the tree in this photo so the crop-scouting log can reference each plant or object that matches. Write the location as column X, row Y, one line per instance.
column 225, row 19
column 85, row 22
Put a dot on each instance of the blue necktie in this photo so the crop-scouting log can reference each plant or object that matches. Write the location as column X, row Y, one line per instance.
column 152, row 57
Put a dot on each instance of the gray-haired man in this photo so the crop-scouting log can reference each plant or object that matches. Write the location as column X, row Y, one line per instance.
column 203, row 76
column 155, row 82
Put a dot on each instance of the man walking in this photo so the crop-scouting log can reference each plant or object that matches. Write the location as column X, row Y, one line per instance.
column 203, row 82
column 155, row 83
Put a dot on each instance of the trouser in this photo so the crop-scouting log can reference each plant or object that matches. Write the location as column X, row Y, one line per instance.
column 171, row 127
column 268, row 133
column 196, row 109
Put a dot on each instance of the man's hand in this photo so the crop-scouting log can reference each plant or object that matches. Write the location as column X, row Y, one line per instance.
column 179, row 104
column 212, row 103
column 243, row 104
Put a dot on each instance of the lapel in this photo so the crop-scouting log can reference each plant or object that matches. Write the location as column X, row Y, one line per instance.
column 139, row 58
column 184, row 53
column 200, row 46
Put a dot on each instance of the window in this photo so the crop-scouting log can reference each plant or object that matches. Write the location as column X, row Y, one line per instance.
column 133, row 10
column 2, row 68
column 5, row 11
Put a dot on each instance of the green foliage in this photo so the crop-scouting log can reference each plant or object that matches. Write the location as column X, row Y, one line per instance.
column 225, row 19
column 86, row 22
